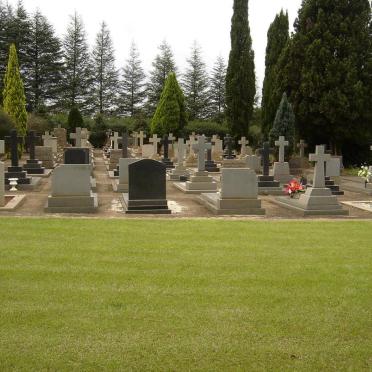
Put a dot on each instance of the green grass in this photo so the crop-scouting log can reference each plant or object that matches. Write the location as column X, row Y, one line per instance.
column 175, row 295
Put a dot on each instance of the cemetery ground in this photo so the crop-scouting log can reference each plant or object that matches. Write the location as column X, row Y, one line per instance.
column 185, row 294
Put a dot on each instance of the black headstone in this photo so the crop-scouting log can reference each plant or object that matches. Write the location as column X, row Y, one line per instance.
column 76, row 155
column 265, row 153
column 13, row 140
column 229, row 142
column 210, row 165
column 33, row 166
column 166, row 161
column 147, row 187
column 124, row 144
column 31, row 141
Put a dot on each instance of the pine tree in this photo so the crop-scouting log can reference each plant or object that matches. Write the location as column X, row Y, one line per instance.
column 277, row 39
column 75, row 119
column 327, row 72
column 240, row 77
column 217, row 89
column 46, row 64
column 170, row 115
column 106, row 81
column 77, row 76
column 284, row 123
column 14, row 100
column 161, row 67
column 195, row 85
column 133, row 93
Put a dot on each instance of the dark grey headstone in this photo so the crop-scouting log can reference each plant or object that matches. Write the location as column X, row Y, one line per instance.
column 76, row 155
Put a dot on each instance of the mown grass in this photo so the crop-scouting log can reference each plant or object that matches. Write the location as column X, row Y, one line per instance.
column 174, row 295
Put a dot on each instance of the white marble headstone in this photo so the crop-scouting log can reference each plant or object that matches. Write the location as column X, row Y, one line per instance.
column 238, row 183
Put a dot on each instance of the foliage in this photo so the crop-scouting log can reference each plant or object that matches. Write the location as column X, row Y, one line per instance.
column 13, row 95
column 6, row 124
column 170, row 115
column 284, row 123
column 277, row 39
column 195, row 84
column 209, row 128
column 217, row 89
column 162, row 66
column 240, row 77
column 38, row 123
column 75, row 119
column 98, row 135
column 132, row 92
column 105, row 75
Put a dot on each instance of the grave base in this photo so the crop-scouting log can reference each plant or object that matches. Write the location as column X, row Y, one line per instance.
column 34, row 183
column 218, row 206
column 281, row 172
column 14, row 201
column 234, row 163
column 145, row 206
column 46, row 173
column 72, row 204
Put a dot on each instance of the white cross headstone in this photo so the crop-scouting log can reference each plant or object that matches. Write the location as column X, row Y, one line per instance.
column 155, row 141
column 141, row 137
column 77, row 136
column 50, row 141
column 191, row 142
column 320, row 157
column 115, row 140
column 302, row 146
column 181, row 149
column 282, row 143
column 243, row 142
column 200, row 148
column 135, row 139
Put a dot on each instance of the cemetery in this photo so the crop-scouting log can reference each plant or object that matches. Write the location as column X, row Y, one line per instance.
column 168, row 234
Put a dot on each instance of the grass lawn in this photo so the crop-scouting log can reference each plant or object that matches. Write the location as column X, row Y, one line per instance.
column 175, row 295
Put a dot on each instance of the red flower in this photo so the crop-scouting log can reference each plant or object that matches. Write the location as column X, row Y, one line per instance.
column 294, row 187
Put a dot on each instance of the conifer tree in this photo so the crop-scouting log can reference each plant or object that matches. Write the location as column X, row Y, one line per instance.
column 195, row 84
column 106, row 76
column 14, row 100
column 240, row 77
column 327, row 71
column 284, row 123
column 75, row 119
column 217, row 89
column 132, row 86
column 77, row 74
column 163, row 64
column 46, row 64
column 277, row 39
column 170, row 115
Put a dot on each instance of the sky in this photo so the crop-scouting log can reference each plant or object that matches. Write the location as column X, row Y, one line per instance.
column 180, row 22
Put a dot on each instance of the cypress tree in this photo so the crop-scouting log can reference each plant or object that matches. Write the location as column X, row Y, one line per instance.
column 217, row 89
column 106, row 76
column 284, row 123
column 163, row 64
column 195, row 84
column 77, row 74
column 240, row 78
column 132, row 85
column 277, row 38
column 14, row 100
column 327, row 70
column 75, row 119
column 46, row 64
column 170, row 115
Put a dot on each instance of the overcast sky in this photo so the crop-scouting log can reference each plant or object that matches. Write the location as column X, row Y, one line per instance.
column 180, row 22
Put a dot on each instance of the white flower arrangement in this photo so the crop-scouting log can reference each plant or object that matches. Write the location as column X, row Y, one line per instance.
column 366, row 173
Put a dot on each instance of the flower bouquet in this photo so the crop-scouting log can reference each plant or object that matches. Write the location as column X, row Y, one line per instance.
column 294, row 188
column 366, row 173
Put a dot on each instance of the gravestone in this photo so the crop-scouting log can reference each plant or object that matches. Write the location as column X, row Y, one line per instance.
column 245, row 149
column 115, row 155
column 266, row 183
column 281, row 167
column 238, row 195
column 253, row 162
column 15, row 171
column 135, row 140
column 180, row 170
column 171, row 139
column 71, row 190
column 166, row 161
column 317, row 200
column 155, row 142
column 50, row 141
column 123, row 184
column 45, row 155
column 210, row 165
column 147, row 188
column 75, row 155
column 191, row 160
column 217, row 149
column 141, row 137
column 299, row 163
column 61, row 135
column 333, row 172
column 229, row 143
column 33, row 165
column 78, row 136
column 115, row 141
column 124, row 152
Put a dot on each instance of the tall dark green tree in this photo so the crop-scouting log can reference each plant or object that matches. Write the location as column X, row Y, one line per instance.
column 240, row 77
column 277, row 39
column 217, row 89
column 327, row 72
column 163, row 64
column 132, row 92
column 46, row 64
column 106, row 76
column 195, row 85
column 77, row 76
column 170, row 114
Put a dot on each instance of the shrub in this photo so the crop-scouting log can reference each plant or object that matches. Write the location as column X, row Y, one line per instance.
column 209, row 128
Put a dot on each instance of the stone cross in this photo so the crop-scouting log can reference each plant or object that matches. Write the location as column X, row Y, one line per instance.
column 135, row 137
column 14, row 141
column 141, row 136
column 171, row 137
column 320, row 157
column 199, row 148
column 181, row 149
column 191, row 142
column 155, row 140
column 265, row 153
column 46, row 136
column 229, row 143
column 77, row 136
column 115, row 139
column 124, row 144
column 244, row 142
column 281, row 143
column 165, row 143
column 302, row 146
column 31, row 143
